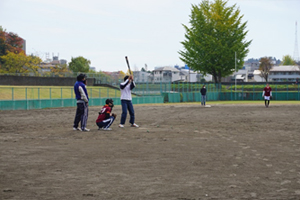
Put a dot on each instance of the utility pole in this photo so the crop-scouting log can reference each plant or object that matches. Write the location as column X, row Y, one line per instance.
column 296, row 53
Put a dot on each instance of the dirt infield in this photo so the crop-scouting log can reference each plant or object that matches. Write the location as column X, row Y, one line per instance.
column 180, row 152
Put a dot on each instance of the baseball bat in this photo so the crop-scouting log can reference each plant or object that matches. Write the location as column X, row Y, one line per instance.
column 128, row 65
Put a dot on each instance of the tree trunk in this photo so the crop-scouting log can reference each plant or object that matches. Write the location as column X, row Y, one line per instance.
column 215, row 77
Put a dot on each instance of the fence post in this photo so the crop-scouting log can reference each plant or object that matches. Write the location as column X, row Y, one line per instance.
column 147, row 87
column 276, row 91
column 39, row 98
column 287, row 92
column 231, row 92
column 26, row 98
column 243, row 92
column 12, row 93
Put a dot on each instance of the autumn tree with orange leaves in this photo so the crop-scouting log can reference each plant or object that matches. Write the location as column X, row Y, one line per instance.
column 10, row 42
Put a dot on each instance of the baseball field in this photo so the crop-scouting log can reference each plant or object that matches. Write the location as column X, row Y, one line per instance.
column 179, row 152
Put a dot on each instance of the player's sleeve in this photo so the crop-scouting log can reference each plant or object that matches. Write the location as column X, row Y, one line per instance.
column 263, row 94
column 107, row 113
column 123, row 85
column 82, row 94
column 132, row 85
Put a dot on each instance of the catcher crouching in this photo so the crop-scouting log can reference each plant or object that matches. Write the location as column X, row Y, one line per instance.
column 106, row 117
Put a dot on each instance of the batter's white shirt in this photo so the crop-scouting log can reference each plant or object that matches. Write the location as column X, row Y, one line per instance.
column 126, row 92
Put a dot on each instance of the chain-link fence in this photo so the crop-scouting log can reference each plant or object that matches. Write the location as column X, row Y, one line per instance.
column 36, row 97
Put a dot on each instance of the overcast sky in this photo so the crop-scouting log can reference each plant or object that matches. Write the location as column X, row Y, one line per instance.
column 147, row 31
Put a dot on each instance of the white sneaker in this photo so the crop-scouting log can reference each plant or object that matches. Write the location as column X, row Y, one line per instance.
column 121, row 125
column 134, row 125
column 86, row 129
column 76, row 129
column 106, row 129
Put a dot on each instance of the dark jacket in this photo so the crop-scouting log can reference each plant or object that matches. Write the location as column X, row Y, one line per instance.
column 203, row 91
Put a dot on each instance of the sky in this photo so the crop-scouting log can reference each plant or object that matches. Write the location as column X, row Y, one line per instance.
column 149, row 32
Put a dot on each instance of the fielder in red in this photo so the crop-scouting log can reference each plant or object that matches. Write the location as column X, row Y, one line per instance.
column 267, row 94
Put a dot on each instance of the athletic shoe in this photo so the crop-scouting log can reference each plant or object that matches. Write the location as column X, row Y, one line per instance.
column 76, row 129
column 85, row 129
column 121, row 126
column 134, row 125
column 106, row 129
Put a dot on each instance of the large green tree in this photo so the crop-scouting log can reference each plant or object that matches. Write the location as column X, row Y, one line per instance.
column 79, row 64
column 216, row 34
column 287, row 60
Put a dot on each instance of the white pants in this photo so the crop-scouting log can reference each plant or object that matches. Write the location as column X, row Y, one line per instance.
column 267, row 98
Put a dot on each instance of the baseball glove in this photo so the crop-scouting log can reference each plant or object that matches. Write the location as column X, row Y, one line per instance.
column 114, row 115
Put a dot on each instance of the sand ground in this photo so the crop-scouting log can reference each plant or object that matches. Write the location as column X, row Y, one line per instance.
column 179, row 152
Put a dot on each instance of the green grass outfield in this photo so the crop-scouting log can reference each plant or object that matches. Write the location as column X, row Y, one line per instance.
column 52, row 92
column 225, row 103
column 239, row 103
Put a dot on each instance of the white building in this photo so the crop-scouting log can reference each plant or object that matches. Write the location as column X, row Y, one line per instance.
column 192, row 76
column 257, row 76
column 280, row 73
column 285, row 73
column 141, row 77
column 166, row 74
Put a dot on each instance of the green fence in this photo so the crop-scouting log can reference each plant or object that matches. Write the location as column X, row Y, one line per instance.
column 25, row 98
column 58, row 103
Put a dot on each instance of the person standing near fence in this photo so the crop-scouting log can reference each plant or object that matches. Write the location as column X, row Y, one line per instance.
column 126, row 103
column 203, row 95
column 82, row 103
column 267, row 94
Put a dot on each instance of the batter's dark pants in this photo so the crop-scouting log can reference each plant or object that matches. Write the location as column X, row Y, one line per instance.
column 127, row 105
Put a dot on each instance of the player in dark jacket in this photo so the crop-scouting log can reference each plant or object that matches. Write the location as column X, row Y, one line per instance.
column 106, row 117
column 82, row 98
column 203, row 95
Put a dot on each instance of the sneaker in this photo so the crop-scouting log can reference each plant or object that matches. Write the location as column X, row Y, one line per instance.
column 76, row 129
column 106, row 129
column 121, row 126
column 85, row 129
column 134, row 125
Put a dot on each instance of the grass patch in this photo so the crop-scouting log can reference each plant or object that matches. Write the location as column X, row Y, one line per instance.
column 53, row 92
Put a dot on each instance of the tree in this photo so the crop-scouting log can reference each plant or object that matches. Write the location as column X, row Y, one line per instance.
column 10, row 42
column 60, row 70
column 122, row 74
column 19, row 63
column 2, row 42
column 79, row 64
column 215, row 34
column 287, row 60
column 265, row 66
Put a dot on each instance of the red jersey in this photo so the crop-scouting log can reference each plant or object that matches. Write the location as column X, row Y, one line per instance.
column 267, row 91
column 105, row 111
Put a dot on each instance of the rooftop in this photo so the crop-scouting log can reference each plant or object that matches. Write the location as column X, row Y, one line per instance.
column 284, row 68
